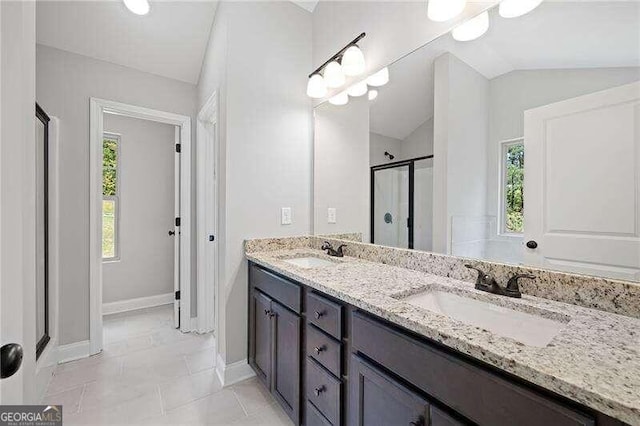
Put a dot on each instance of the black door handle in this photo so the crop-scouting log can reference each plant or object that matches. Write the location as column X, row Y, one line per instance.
column 532, row 244
column 172, row 232
column 10, row 359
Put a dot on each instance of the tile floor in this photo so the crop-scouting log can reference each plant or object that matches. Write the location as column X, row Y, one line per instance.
column 149, row 374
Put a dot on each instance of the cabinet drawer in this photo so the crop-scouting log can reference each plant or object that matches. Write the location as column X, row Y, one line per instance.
column 286, row 292
column 324, row 349
column 324, row 391
column 476, row 393
column 315, row 417
column 325, row 314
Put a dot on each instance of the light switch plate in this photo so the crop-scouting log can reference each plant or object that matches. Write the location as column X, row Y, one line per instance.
column 286, row 216
column 331, row 215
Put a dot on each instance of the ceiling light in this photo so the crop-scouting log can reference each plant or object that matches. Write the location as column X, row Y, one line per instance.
column 379, row 79
column 339, row 99
column 373, row 93
column 139, row 7
column 353, row 61
column 515, row 8
column 333, row 75
column 358, row 89
column 443, row 10
column 472, row 29
column 316, row 87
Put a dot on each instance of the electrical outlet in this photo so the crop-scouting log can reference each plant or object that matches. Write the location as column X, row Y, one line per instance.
column 331, row 215
column 286, row 216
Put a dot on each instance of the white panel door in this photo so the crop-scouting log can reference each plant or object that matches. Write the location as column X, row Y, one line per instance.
column 582, row 184
column 176, row 230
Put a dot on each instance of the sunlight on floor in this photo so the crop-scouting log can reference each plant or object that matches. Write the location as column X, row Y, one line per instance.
column 150, row 373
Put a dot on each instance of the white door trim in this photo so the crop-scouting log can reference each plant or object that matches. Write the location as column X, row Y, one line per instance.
column 207, row 215
column 97, row 109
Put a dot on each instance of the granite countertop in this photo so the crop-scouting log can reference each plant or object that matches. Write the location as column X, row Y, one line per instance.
column 594, row 360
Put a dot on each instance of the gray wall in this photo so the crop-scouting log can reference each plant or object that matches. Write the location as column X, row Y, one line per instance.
column 341, row 167
column 64, row 84
column 258, row 58
column 146, row 210
column 461, row 132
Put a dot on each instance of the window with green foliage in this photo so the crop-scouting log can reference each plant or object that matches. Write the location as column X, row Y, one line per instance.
column 513, row 187
column 110, row 191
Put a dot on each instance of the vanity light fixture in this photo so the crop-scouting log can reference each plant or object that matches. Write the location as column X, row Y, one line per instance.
column 333, row 75
column 139, row 7
column 353, row 61
column 473, row 28
column 349, row 60
column 340, row 99
column 515, row 8
column 373, row 93
column 443, row 10
column 358, row 89
column 316, row 87
column 380, row 78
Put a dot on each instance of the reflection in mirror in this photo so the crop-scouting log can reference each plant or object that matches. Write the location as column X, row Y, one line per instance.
column 521, row 146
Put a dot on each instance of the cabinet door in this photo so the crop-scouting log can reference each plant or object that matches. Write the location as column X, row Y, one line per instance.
column 286, row 373
column 440, row 418
column 262, row 336
column 378, row 400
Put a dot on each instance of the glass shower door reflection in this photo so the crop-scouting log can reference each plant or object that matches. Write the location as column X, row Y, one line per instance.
column 391, row 206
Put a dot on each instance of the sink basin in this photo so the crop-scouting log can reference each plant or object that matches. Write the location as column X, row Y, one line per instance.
column 532, row 330
column 310, row 262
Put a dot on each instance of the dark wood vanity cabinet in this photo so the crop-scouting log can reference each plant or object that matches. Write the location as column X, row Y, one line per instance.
column 328, row 363
column 275, row 344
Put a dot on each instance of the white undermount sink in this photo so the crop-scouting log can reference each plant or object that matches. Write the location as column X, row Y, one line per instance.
column 529, row 329
column 310, row 262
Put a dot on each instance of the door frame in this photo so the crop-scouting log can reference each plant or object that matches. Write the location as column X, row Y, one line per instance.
column 402, row 163
column 97, row 109
column 208, row 148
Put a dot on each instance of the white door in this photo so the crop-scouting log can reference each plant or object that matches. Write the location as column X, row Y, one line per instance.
column 582, row 184
column 18, row 196
column 176, row 230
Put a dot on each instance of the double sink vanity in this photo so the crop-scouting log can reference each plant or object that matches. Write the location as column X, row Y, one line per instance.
column 372, row 338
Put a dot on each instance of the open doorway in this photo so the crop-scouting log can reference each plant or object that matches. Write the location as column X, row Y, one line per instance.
column 140, row 222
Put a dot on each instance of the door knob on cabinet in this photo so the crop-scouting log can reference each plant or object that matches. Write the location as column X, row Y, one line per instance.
column 318, row 315
column 10, row 359
column 318, row 349
column 532, row 244
column 317, row 391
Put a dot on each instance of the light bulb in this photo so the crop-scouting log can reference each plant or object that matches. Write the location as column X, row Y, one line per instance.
column 515, row 8
column 373, row 93
column 353, row 61
column 339, row 99
column 473, row 28
column 139, row 7
column 358, row 89
column 379, row 79
column 333, row 75
column 443, row 10
column 316, row 87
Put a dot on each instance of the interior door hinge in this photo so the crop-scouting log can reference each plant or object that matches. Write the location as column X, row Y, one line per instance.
column 178, row 295
column 177, row 221
column 178, row 147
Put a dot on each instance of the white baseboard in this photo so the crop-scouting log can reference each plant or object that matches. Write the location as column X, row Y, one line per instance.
column 234, row 372
column 137, row 303
column 74, row 351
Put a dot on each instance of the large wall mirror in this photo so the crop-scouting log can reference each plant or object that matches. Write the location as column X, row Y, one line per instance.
column 520, row 147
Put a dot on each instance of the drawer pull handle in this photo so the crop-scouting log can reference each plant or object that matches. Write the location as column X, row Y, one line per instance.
column 269, row 313
column 318, row 315
column 319, row 349
column 319, row 390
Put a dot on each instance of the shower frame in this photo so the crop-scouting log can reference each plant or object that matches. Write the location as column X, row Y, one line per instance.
column 403, row 163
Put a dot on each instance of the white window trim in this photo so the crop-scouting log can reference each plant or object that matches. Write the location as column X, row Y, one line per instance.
column 503, row 146
column 116, row 198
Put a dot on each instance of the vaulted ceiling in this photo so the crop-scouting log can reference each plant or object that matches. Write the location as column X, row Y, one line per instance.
column 170, row 41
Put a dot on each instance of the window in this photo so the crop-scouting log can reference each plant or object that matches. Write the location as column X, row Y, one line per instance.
column 512, row 186
column 110, row 193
